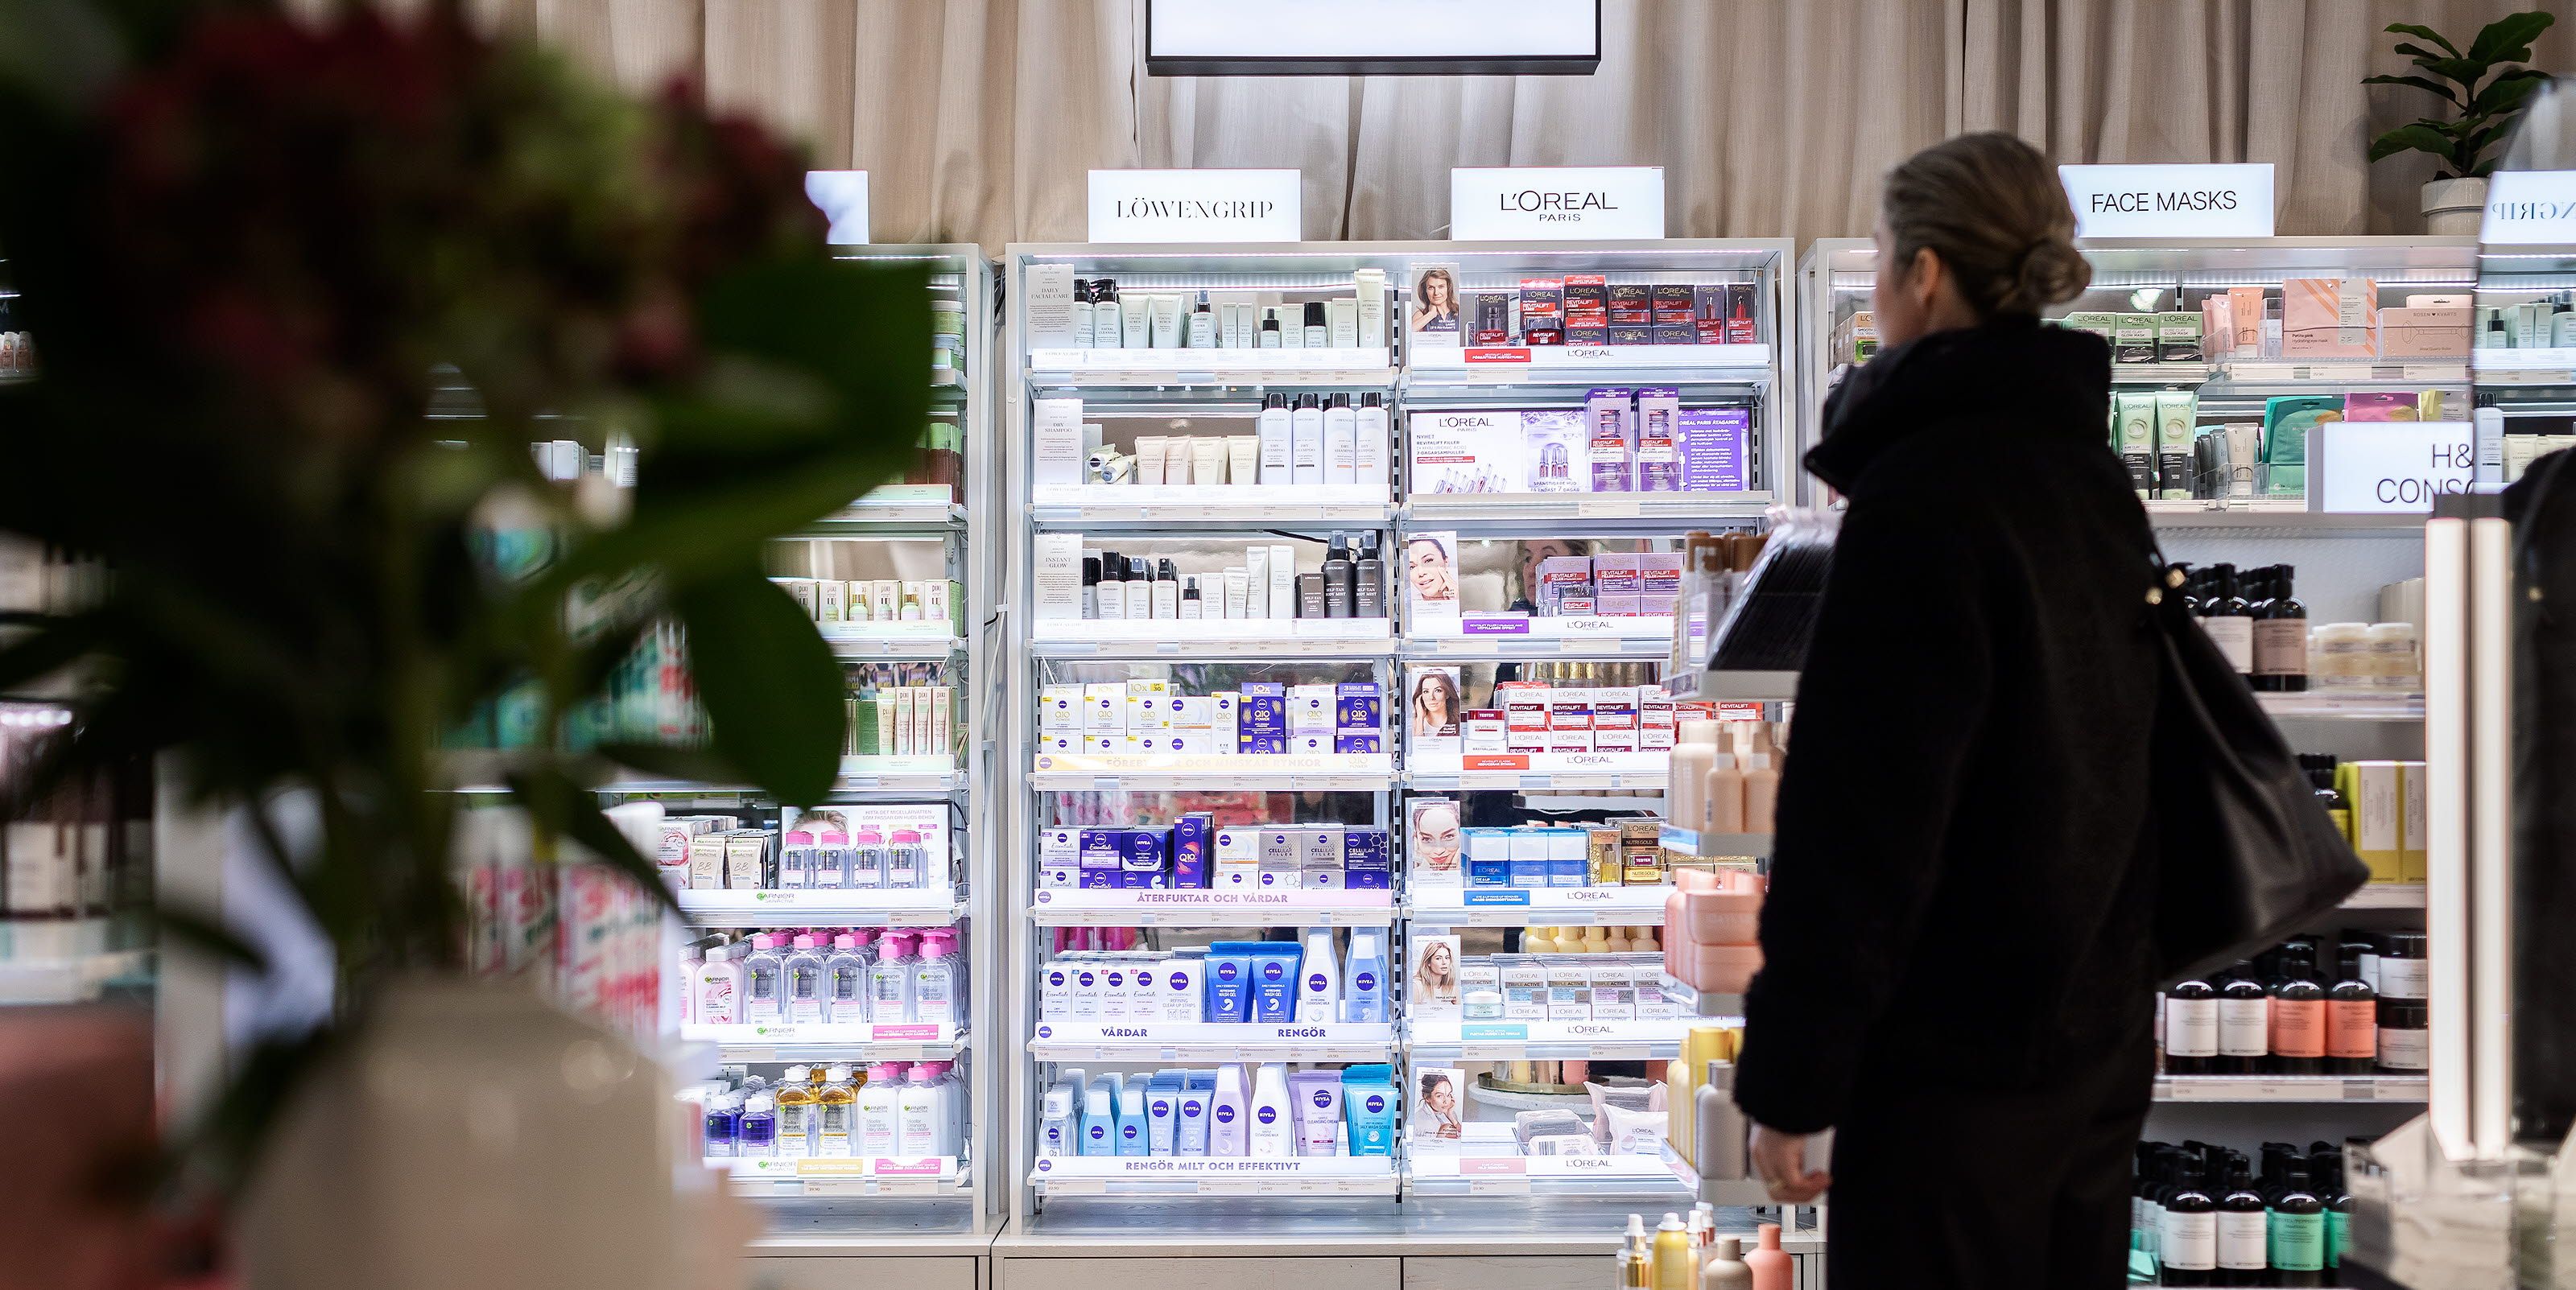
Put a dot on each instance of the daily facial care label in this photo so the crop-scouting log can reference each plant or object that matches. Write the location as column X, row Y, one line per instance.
column 1555, row 203
column 2215, row 200
column 1197, row 206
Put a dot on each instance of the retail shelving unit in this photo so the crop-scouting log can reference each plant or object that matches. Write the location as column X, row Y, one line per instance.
column 918, row 531
column 1129, row 393
column 2342, row 560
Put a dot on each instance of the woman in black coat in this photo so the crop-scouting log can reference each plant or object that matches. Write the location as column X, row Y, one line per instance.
column 1957, row 971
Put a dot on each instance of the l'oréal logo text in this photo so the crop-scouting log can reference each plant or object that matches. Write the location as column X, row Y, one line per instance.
column 1551, row 206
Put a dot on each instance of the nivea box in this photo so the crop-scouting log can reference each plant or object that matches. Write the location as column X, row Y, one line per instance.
column 1104, row 707
column 1262, row 708
column 1063, row 741
column 1099, row 849
column 1060, row 708
column 1347, row 742
column 1097, row 879
column 1141, row 850
column 1224, row 724
column 1310, row 709
column 1184, row 976
column 1192, row 837
column 1193, row 712
column 1104, row 743
column 1149, row 705
column 1254, row 743
column 1368, row 879
column 1310, row 742
column 1322, row 880
column 1320, row 847
column 1238, row 858
column 1358, row 706
column 1283, row 850
column 1367, row 848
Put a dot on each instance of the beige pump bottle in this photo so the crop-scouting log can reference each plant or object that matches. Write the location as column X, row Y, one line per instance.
column 1723, row 1268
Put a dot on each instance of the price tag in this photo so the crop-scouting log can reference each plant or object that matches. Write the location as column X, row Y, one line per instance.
column 896, row 1052
column 1621, row 1052
column 1611, row 508
column 1071, row 1186
column 839, row 1187
column 862, row 781
column 751, row 1056
column 1504, row 1185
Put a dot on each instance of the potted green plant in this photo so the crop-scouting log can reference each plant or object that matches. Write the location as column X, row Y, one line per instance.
column 304, row 294
column 2483, row 97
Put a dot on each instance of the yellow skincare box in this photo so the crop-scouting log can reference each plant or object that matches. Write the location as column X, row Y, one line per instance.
column 2378, row 796
column 2411, row 821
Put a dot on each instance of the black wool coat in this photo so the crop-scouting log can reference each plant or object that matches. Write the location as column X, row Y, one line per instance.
column 1960, row 891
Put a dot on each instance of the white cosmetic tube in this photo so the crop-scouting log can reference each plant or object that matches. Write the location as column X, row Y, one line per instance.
column 1237, row 583
column 1256, row 584
column 1167, row 322
column 1151, row 452
column 1207, row 460
column 1242, row 458
column 1136, row 319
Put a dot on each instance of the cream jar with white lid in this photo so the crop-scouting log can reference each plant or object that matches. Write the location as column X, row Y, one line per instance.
column 2339, row 657
column 2393, row 665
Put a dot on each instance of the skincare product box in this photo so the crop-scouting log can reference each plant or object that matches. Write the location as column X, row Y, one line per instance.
column 2411, row 332
column 1709, row 446
column 2329, row 318
column 1654, row 441
column 1464, row 452
column 1610, row 439
column 1555, row 453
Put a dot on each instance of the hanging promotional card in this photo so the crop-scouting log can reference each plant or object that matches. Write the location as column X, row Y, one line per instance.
column 1431, row 987
column 1464, row 452
column 1431, row 575
column 1431, row 307
column 1433, row 709
column 1432, row 841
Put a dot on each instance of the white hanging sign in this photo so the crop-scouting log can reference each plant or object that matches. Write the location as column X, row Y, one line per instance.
column 1372, row 37
column 2388, row 467
column 2216, row 200
column 843, row 197
column 2530, row 208
column 1197, row 206
column 1555, row 203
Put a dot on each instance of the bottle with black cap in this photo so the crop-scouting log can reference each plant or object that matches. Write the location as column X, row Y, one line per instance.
column 1167, row 590
column 1140, row 588
column 1318, row 336
column 1270, row 337
column 2298, row 1013
column 1276, row 440
column 1091, row 586
column 2280, row 635
column 2298, row 1228
column 1306, row 440
column 2191, row 1027
column 2189, row 1244
column 1368, row 579
column 1374, row 442
column 2352, row 1019
column 1112, row 596
column 1341, row 440
column 2244, row 1024
column 2244, row 1228
column 1338, row 590
column 1191, row 607
column 1106, row 330
column 2326, row 1161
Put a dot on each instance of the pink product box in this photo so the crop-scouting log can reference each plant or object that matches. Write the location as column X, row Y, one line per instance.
column 2423, row 333
column 1657, row 721
column 1619, row 574
column 1569, row 710
column 1625, row 604
column 1561, row 577
column 2329, row 318
column 1659, row 574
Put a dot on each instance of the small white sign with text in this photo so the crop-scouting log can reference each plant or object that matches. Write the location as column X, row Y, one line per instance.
column 2215, row 200
column 2388, row 467
column 842, row 195
column 1556, row 203
column 2530, row 208
column 1197, row 206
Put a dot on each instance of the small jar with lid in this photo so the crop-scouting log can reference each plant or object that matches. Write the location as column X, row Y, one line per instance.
column 2339, row 657
column 2404, row 966
column 2405, row 1036
column 2393, row 666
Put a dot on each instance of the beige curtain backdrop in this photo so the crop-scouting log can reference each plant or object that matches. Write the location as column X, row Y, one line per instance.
column 977, row 120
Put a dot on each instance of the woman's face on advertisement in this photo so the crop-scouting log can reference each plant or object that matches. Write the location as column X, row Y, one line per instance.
column 1436, row 959
column 1428, row 567
column 1443, row 1096
column 1435, row 291
column 1435, row 833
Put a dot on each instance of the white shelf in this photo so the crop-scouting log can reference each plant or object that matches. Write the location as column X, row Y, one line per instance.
column 822, row 907
column 1214, row 637
column 1489, row 1164
column 1431, row 510
column 1471, row 636
column 898, row 512
column 1207, row 1176
column 484, row 770
column 1249, row 506
column 69, row 980
column 1731, row 683
column 924, row 1176
column 917, row 640
column 2335, row 373
column 1538, row 772
column 2315, row 705
column 1510, row 1041
column 862, row 1042
column 1176, row 772
column 2291, row 1088
column 2292, row 514
column 2387, row 895
column 2524, row 366
column 2160, row 373
column 1114, row 368
column 1537, row 906
column 1209, row 1041
column 1436, row 366
column 1197, row 907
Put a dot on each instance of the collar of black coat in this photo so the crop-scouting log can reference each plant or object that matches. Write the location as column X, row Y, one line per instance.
column 2006, row 376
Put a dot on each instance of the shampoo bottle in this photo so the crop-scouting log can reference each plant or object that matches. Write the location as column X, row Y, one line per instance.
column 1694, row 750
column 1723, row 1267
column 1761, row 793
column 1723, row 799
column 1273, row 1131
column 1341, row 441
column 1274, row 434
column 1306, row 441
column 1374, row 442
column 1770, row 1264
column 1676, row 1264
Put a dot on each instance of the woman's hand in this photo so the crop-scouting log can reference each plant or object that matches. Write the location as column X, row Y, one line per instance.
column 1780, row 1161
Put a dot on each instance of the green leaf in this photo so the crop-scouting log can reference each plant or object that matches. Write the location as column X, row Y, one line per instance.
column 773, row 692
column 210, row 936
column 2507, row 92
column 2411, row 138
column 2448, row 94
column 2508, row 39
column 552, row 797
column 2427, row 33
column 2465, row 71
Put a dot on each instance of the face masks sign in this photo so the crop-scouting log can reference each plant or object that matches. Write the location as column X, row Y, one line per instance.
column 1556, row 203
column 1196, row 206
column 2232, row 201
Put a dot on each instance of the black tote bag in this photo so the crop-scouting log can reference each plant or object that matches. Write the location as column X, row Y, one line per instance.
column 2247, row 857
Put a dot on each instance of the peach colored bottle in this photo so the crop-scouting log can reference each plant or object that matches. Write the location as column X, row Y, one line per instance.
column 1761, row 794
column 1722, row 799
column 1771, row 1265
